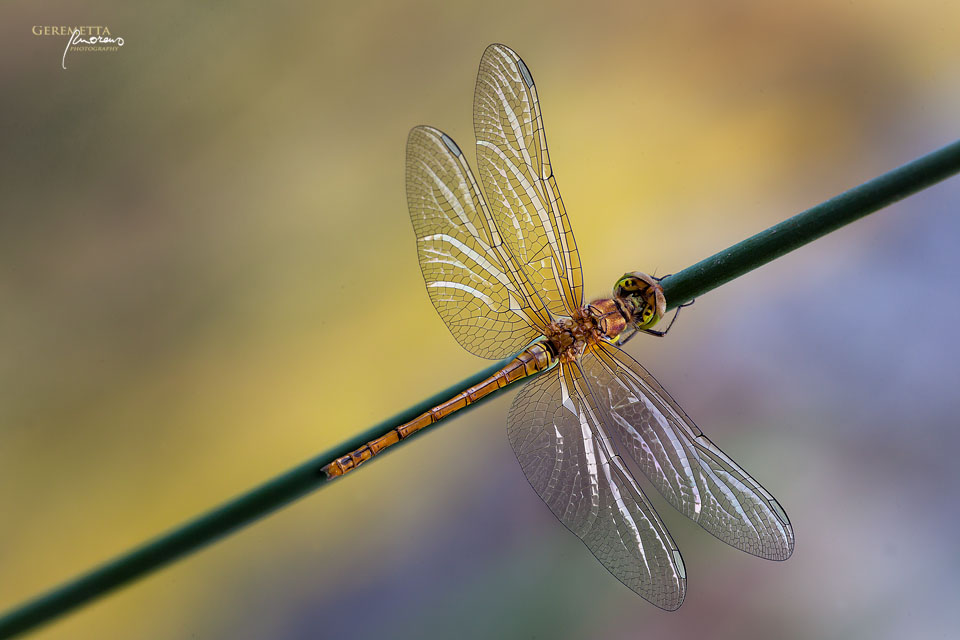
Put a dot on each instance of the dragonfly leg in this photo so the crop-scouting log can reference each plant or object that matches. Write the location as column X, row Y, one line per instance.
column 676, row 312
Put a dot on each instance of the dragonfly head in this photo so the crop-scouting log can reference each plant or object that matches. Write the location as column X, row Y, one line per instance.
column 642, row 295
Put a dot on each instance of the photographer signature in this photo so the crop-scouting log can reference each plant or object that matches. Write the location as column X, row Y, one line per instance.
column 77, row 39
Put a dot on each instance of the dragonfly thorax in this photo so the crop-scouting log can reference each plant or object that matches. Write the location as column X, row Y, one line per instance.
column 637, row 304
column 569, row 337
column 600, row 320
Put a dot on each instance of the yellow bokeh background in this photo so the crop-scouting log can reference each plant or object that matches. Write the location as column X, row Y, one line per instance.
column 208, row 275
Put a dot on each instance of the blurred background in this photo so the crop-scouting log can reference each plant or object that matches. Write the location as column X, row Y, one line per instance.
column 189, row 228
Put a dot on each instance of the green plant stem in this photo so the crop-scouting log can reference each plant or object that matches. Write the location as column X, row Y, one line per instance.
column 815, row 222
column 214, row 524
column 679, row 288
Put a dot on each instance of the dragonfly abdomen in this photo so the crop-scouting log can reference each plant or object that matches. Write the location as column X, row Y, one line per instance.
column 531, row 360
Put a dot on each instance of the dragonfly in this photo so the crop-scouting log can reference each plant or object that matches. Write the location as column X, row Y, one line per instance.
column 502, row 269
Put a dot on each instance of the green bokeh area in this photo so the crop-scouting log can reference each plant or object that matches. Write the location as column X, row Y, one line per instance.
column 207, row 275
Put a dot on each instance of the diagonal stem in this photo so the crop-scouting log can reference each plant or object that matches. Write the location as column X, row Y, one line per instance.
column 679, row 288
column 815, row 222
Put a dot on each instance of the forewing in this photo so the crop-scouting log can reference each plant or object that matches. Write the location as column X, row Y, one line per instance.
column 514, row 168
column 568, row 460
column 689, row 470
column 469, row 275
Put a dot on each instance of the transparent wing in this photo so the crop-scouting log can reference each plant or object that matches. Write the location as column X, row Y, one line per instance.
column 689, row 470
column 514, row 168
column 568, row 460
column 469, row 274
